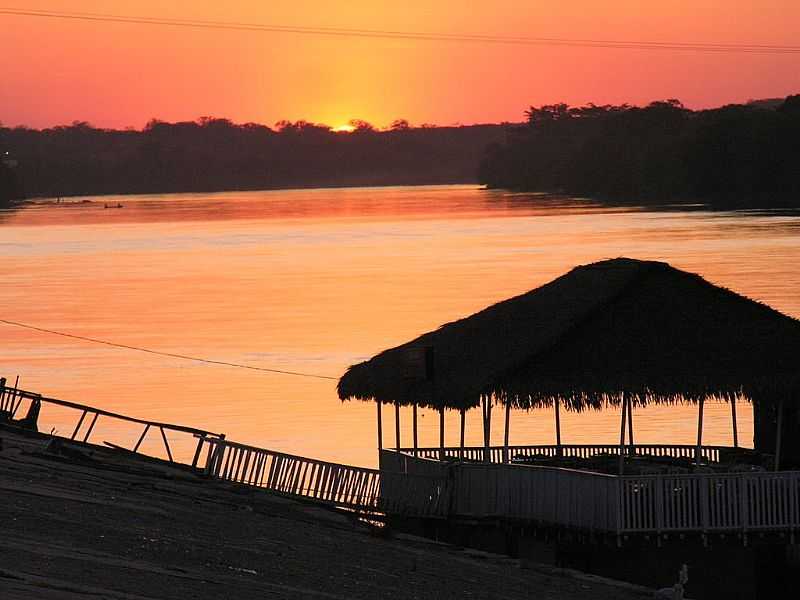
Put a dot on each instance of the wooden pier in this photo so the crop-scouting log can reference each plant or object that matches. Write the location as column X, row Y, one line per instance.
column 373, row 491
column 739, row 503
column 25, row 408
column 360, row 489
column 414, row 482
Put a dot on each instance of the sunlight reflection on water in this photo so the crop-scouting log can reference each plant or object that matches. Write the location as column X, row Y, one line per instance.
column 313, row 280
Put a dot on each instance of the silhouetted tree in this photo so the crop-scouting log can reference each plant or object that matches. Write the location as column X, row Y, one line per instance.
column 9, row 184
column 212, row 154
column 738, row 155
column 361, row 126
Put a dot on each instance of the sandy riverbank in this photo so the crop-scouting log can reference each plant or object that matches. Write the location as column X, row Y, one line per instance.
column 116, row 527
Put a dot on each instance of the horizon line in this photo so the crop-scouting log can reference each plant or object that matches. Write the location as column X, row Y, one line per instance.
column 375, row 128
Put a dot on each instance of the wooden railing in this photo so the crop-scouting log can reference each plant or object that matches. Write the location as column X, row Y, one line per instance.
column 416, row 483
column 358, row 488
column 497, row 454
column 544, row 495
column 29, row 409
column 737, row 502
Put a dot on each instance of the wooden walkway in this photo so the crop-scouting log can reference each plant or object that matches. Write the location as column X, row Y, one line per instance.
column 26, row 408
column 356, row 488
column 415, row 483
column 422, row 494
column 666, row 503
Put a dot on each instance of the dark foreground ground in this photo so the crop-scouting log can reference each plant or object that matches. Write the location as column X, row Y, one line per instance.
column 119, row 528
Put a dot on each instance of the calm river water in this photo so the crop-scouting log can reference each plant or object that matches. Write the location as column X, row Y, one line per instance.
column 315, row 280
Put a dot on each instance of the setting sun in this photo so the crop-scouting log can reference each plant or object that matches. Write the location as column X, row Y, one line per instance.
column 269, row 268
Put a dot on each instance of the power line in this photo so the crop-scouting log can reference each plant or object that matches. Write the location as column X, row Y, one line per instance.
column 411, row 35
column 166, row 354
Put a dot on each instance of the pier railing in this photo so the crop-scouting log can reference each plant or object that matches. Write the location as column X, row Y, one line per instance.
column 32, row 410
column 731, row 502
column 417, row 483
column 545, row 495
column 497, row 454
column 725, row 502
column 358, row 488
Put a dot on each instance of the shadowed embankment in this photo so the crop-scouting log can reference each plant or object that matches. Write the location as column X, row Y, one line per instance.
column 113, row 526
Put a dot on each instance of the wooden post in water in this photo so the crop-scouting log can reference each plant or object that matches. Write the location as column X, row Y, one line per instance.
column 630, row 426
column 557, row 407
column 416, row 444
column 14, row 408
column 622, row 435
column 461, row 446
column 397, row 426
column 487, row 428
column 778, row 436
column 380, row 426
column 483, row 420
column 733, row 418
column 441, row 433
column 505, row 437
column 698, row 451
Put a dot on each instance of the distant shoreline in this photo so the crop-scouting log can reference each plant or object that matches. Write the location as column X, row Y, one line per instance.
column 215, row 155
column 86, row 198
column 733, row 157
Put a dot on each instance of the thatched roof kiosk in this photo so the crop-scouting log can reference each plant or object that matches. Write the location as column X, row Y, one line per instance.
column 639, row 330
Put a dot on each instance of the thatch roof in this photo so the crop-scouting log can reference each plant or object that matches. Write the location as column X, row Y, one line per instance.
column 657, row 333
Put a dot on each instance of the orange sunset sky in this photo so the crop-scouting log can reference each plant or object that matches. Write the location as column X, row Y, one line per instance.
column 118, row 75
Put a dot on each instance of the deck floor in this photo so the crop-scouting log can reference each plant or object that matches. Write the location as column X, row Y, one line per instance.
column 120, row 528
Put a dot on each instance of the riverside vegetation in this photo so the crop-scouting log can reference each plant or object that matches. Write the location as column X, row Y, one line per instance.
column 211, row 155
column 736, row 156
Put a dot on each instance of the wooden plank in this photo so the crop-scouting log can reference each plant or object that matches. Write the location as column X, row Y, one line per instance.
column 779, row 435
column 622, row 437
column 252, row 476
column 505, row 436
column 141, row 438
column 556, row 405
column 630, row 427
column 416, row 445
column 271, row 476
column 91, row 427
column 78, row 426
column 14, row 407
column 380, row 426
column 441, row 434
column 166, row 444
column 200, row 441
column 229, row 453
column 23, row 394
column 462, row 418
column 698, row 450
column 262, row 469
column 397, row 426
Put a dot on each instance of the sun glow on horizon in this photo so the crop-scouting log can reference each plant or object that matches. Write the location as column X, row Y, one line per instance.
column 184, row 72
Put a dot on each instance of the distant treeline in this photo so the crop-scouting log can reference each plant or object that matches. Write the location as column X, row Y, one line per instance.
column 734, row 156
column 216, row 154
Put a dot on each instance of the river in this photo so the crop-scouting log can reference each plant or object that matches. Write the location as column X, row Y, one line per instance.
column 314, row 280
